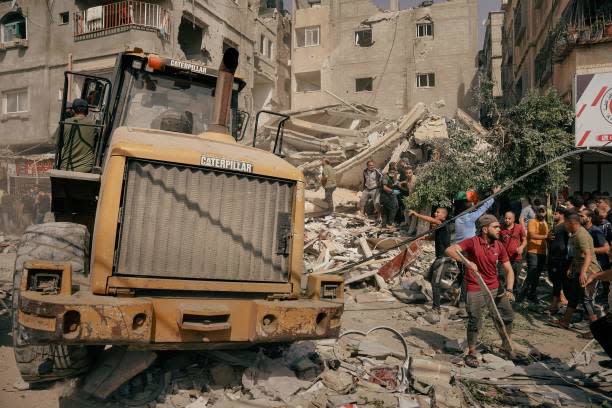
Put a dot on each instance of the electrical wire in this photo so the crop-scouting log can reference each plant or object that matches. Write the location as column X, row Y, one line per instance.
column 474, row 208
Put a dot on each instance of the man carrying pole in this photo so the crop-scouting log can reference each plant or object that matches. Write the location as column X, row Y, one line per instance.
column 480, row 255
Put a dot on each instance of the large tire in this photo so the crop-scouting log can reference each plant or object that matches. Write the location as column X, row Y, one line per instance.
column 58, row 242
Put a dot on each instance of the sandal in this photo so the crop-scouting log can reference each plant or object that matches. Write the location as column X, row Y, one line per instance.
column 470, row 360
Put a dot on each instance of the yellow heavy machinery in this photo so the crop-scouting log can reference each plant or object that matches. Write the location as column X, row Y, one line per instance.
column 196, row 239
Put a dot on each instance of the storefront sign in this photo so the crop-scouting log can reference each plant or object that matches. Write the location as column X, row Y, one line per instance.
column 593, row 103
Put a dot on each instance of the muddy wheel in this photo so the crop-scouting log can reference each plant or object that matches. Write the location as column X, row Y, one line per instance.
column 59, row 242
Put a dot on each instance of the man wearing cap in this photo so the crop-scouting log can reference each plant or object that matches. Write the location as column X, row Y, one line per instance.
column 537, row 234
column 79, row 140
column 482, row 253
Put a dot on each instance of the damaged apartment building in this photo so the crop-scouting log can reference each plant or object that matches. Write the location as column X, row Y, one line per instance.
column 352, row 50
column 39, row 40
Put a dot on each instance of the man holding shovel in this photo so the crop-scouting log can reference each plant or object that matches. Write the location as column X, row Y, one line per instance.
column 480, row 255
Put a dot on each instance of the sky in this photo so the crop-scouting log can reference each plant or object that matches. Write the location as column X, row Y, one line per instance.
column 484, row 7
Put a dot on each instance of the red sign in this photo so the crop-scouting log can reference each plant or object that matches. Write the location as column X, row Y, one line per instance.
column 33, row 167
column 604, row 138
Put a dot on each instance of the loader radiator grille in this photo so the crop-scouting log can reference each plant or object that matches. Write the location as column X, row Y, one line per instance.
column 194, row 223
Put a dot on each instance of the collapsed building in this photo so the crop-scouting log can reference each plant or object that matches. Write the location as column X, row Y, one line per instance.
column 352, row 50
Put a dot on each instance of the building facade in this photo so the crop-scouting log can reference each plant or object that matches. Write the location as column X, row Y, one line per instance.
column 545, row 44
column 41, row 40
column 351, row 50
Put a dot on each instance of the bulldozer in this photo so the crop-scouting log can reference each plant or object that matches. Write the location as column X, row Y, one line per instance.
column 180, row 237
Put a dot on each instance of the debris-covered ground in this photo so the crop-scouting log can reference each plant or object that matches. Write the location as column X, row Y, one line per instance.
column 393, row 352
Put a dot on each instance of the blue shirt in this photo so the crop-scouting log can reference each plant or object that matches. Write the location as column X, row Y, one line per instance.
column 465, row 226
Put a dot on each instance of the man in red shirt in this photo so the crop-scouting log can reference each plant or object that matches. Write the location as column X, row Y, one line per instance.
column 483, row 252
column 514, row 240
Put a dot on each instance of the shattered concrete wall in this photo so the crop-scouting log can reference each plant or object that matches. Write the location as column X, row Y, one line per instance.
column 393, row 59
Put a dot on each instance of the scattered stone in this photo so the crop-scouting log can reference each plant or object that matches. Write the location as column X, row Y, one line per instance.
column 455, row 345
column 224, row 375
column 21, row 385
column 338, row 380
column 201, row 402
column 494, row 362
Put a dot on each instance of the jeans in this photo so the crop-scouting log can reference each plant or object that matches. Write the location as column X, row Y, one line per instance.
column 536, row 263
column 576, row 294
column 557, row 273
column 329, row 198
column 435, row 275
column 388, row 209
column 476, row 303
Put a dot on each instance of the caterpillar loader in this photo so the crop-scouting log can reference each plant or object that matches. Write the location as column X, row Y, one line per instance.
column 179, row 238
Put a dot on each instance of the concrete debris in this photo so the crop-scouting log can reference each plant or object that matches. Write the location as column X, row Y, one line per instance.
column 201, row 402
column 432, row 128
column 116, row 366
column 339, row 381
column 455, row 345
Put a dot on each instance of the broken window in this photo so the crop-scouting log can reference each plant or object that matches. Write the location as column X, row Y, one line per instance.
column 308, row 81
column 426, row 80
column 15, row 101
column 364, row 84
column 363, row 37
column 227, row 44
column 307, row 36
column 190, row 39
column 262, row 44
column 425, row 29
column 64, row 18
column 13, row 27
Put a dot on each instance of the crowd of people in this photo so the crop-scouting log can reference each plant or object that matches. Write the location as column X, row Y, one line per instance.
column 22, row 210
column 568, row 241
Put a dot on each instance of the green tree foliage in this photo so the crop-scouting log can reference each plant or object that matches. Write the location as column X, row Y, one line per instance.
column 536, row 130
column 526, row 135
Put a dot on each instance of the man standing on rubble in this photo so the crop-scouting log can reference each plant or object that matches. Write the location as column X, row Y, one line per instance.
column 481, row 253
column 328, row 181
column 514, row 239
column 537, row 233
column 372, row 182
column 441, row 237
column 583, row 265
column 409, row 181
column 557, row 257
column 388, row 198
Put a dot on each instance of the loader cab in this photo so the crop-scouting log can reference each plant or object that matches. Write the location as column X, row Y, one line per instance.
column 146, row 91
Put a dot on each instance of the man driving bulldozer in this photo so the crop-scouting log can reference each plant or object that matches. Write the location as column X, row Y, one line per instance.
column 80, row 136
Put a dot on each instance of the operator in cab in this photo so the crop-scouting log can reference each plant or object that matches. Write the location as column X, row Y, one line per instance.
column 78, row 151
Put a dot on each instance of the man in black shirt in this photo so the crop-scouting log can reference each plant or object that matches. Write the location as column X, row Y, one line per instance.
column 442, row 239
column 558, row 262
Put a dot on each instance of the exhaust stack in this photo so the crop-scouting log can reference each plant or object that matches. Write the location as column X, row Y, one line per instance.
column 223, row 91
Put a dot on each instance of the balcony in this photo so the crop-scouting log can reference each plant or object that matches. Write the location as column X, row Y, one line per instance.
column 583, row 22
column 122, row 16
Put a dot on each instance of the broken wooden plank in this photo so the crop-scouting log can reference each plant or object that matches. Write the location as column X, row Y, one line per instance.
column 386, row 243
column 394, row 267
column 360, row 277
column 365, row 247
